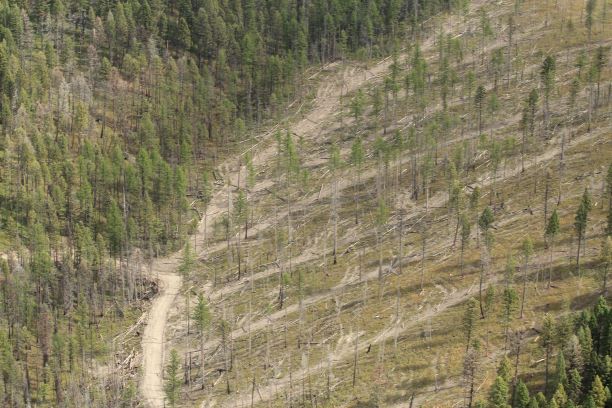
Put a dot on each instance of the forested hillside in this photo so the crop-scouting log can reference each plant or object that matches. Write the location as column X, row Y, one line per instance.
column 113, row 115
column 305, row 203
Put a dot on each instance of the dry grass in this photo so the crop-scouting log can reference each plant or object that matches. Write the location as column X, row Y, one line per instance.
column 411, row 344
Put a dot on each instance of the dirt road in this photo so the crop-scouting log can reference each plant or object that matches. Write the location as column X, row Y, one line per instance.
column 151, row 385
column 165, row 269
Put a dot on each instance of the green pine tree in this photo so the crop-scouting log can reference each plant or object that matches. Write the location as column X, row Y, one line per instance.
column 552, row 229
column 498, row 395
column 172, row 388
column 521, row 395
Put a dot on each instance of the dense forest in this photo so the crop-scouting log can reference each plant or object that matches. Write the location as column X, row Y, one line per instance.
column 581, row 373
column 115, row 117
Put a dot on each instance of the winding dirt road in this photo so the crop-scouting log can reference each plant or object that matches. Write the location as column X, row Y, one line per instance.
column 165, row 269
column 151, row 385
column 170, row 282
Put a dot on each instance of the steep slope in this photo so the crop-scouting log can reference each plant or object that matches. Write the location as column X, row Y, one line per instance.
column 379, row 320
column 166, row 269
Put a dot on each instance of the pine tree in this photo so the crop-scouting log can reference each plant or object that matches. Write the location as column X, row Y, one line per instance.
column 184, row 34
column 588, row 22
column 528, row 123
column 541, row 399
column 115, row 228
column 498, row 396
column 469, row 322
column 201, row 314
column 497, row 61
column 546, row 342
column 188, row 262
column 418, row 76
column 504, row 370
column 561, row 371
column 547, row 75
column 552, row 229
column 172, row 387
column 521, row 398
column 590, row 402
column 560, row 397
column 605, row 264
column 471, row 366
column 580, row 223
column 510, row 303
column 146, row 16
column 357, row 106
column 479, row 99
column 599, row 393
column 600, row 60
column 485, row 222
column 609, row 190
column 574, row 387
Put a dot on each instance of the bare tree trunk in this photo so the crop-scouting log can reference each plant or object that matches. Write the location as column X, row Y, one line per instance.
column 335, row 215
column 524, row 287
column 423, row 249
column 550, row 262
column 380, row 263
column 355, row 355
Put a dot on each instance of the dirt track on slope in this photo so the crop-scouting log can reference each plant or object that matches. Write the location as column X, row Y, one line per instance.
column 151, row 385
column 165, row 269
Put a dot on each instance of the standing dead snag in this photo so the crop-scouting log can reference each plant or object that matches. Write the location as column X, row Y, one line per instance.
column 510, row 34
column 509, row 298
column 516, row 344
column 546, row 191
column 334, row 165
column 528, row 123
column 188, row 264
column 201, row 316
column 527, row 250
column 465, row 236
column 250, row 183
column 225, row 329
column 382, row 215
column 423, row 251
column 357, row 158
column 471, row 366
column 240, row 215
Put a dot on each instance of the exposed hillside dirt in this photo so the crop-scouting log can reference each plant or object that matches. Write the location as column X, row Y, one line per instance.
column 326, row 102
column 315, row 127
